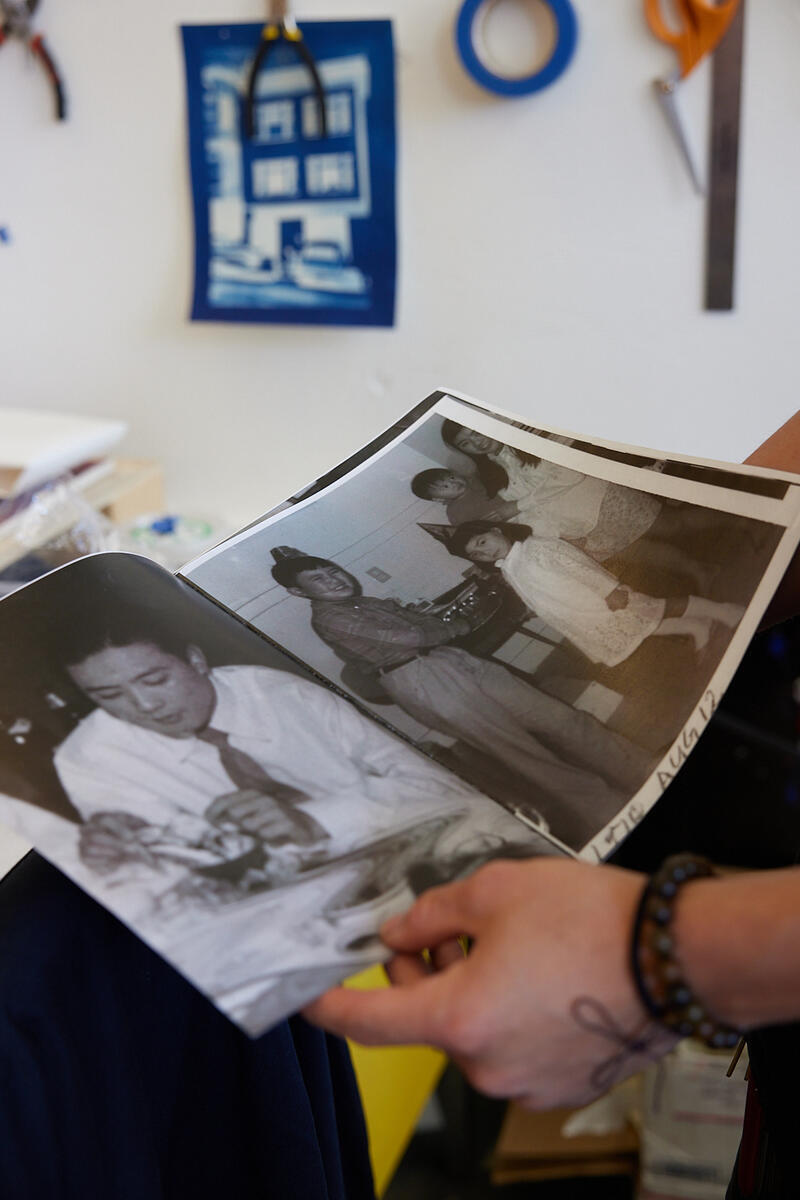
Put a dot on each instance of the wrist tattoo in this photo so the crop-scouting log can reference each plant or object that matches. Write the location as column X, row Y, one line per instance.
column 647, row 1039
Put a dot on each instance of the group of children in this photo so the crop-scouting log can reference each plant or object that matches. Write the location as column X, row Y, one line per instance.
column 549, row 529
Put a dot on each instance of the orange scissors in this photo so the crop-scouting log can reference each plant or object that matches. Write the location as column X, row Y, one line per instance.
column 700, row 28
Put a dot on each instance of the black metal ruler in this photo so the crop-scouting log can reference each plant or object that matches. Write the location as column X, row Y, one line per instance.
column 726, row 89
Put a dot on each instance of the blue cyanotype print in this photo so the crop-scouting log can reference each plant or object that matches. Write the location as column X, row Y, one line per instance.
column 292, row 226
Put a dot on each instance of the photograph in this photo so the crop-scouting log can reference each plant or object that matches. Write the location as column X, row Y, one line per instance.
column 543, row 632
column 243, row 818
column 730, row 475
column 292, row 174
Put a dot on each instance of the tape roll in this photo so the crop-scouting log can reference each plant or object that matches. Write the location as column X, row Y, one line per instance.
column 503, row 85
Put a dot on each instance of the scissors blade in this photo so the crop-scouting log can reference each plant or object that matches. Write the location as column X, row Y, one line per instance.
column 665, row 91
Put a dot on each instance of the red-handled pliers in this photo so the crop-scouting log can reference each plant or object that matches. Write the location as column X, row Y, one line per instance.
column 16, row 20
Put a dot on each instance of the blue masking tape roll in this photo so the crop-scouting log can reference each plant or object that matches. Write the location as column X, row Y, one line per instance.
column 503, row 85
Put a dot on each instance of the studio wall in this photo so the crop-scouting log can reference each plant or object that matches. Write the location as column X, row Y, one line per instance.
column 550, row 253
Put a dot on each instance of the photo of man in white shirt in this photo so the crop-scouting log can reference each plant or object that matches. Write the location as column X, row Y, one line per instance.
column 251, row 824
column 185, row 763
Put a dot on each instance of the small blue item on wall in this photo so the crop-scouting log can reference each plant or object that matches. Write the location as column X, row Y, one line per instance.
column 296, row 224
column 566, row 37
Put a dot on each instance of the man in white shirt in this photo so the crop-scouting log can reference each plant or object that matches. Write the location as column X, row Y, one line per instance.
column 176, row 751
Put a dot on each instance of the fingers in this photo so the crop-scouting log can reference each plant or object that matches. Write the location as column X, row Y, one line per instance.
column 253, row 812
column 440, row 915
column 267, row 825
column 250, row 809
column 219, row 809
column 117, row 824
column 100, row 847
column 448, row 953
column 389, row 1016
column 405, row 969
column 244, row 800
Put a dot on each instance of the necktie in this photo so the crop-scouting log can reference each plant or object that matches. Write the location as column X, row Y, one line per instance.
column 248, row 775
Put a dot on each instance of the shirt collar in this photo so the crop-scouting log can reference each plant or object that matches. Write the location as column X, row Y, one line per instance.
column 239, row 710
column 223, row 714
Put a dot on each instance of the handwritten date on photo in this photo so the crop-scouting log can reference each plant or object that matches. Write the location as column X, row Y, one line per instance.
column 627, row 821
column 689, row 737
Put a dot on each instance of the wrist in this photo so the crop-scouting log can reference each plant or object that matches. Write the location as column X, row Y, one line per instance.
column 704, row 954
column 666, row 983
column 738, row 937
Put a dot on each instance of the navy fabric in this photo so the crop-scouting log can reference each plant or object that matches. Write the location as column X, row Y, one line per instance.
column 118, row 1079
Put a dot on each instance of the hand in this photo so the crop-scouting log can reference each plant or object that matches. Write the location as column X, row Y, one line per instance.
column 107, row 840
column 265, row 816
column 543, row 1009
column 618, row 598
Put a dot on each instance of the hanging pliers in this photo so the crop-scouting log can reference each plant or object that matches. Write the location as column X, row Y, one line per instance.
column 282, row 27
column 16, row 20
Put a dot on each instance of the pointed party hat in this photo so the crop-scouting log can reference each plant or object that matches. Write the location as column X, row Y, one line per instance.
column 281, row 552
column 442, row 533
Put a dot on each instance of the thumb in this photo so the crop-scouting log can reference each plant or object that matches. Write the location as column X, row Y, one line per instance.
column 408, row 1014
column 439, row 915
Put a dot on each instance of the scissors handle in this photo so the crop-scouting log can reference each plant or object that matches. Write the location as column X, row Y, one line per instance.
column 702, row 27
column 43, row 54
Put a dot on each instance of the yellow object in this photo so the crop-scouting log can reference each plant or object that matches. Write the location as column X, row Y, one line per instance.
column 702, row 27
column 395, row 1083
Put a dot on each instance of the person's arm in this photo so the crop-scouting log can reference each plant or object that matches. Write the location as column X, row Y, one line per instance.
column 781, row 452
column 544, row 1008
column 358, row 633
column 739, row 938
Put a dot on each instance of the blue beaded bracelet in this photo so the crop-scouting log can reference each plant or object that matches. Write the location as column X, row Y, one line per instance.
column 657, row 972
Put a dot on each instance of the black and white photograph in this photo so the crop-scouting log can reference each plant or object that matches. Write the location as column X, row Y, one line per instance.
column 537, row 625
column 450, row 649
column 248, row 822
column 740, row 478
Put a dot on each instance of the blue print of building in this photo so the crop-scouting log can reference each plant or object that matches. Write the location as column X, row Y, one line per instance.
column 281, row 203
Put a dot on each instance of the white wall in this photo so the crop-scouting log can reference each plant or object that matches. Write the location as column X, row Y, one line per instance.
column 550, row 253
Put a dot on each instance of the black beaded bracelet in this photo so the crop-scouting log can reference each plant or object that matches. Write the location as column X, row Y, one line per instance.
column 657, row 971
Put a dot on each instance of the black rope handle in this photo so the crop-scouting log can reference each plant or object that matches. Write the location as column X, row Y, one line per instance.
column 250, row 97
column 269, row 36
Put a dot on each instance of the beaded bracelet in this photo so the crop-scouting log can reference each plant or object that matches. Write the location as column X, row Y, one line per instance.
column 657, row 971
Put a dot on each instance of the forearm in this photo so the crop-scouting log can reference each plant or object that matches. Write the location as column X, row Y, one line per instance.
column 781, row 452
column 370, row 639
column 429, row 630
column 738, row 939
